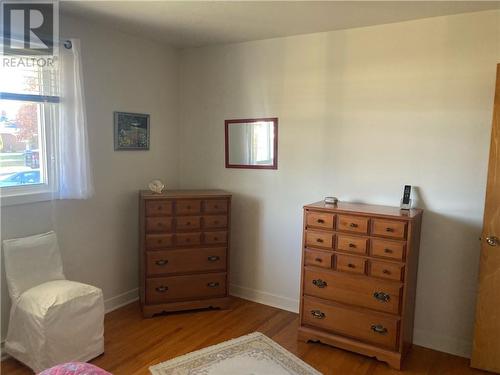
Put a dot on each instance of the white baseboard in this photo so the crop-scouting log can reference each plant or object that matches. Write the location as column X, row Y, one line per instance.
column 274, row 300
column 442, row 343
column 120, row 300
column 110, row 304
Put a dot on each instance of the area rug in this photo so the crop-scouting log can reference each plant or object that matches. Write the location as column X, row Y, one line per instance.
column 253, row 354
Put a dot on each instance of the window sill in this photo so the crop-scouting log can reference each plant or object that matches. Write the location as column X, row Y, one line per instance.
column 27, row 196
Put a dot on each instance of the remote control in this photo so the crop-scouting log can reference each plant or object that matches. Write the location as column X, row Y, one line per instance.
column 406, row 194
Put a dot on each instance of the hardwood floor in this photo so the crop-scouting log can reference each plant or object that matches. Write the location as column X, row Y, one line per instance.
column 133, row 343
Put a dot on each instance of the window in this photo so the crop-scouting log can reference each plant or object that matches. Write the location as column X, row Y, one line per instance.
column 28, row 115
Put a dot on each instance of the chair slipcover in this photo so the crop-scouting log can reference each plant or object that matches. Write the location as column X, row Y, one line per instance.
column 52, row 320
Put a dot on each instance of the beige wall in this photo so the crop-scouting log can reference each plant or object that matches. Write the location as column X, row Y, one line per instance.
column 98, row 237
column 361, row 113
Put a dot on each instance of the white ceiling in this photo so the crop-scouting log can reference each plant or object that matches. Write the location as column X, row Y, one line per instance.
column 201, row 23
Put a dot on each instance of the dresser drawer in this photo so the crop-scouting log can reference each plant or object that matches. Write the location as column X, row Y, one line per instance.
column 385, row 270
column 355, row 224
column 319, row 239
column 353, row 289
column 352, row 244
column 158, row 241
column 188, row 223
column 212, row 238
column 186, row 260
column 158, row 208
column 320, row 220
column 158, row 224
column 346, row 263
column 389, row 228
column 367, row 326
column 187, row 206
column 216, row 206
column 212, row 222
column 387, row 249
column 178, row 288
column 318, row 258
column 187, row 239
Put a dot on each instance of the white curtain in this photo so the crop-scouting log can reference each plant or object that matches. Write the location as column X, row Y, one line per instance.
column 74, row 175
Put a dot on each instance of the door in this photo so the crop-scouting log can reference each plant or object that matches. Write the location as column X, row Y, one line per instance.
column 486, row 345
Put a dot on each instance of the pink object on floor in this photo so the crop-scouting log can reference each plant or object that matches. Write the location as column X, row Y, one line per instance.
column 75, row 368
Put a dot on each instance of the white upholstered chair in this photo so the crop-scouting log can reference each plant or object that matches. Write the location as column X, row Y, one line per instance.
column 52, row 320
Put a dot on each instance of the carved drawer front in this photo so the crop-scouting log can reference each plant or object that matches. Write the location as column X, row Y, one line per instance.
column 387, row 249
column 318, row 258
column 346, row 263
column 389, row 228
column 185, row 260
column 369, row 327
column 353, row 289
column 355, row 224
column 320, row 220
column 158, row 208
column 188, row 206
column 188, row 222
column 179, row 288
column 216, row 206
column 319, row 239
column 158, row 241
column 158, row 224
column 352, row 244
column 385, row 270
column 187, row 239
column 215, row 237
column 213, row 222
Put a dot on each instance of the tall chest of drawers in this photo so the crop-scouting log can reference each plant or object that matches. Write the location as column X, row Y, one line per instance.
column 359, row 273
column 183, row 250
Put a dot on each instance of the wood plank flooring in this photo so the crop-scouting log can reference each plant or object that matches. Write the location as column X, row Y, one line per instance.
column 133, row 344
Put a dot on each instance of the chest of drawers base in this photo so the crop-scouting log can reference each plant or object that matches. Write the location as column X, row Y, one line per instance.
column 184, row 250
column 359, row 270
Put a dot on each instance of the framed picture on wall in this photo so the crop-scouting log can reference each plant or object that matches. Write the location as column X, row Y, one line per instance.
column 131, row 131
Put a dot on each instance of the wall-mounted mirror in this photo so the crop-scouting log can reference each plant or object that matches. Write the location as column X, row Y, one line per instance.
column 252, row 143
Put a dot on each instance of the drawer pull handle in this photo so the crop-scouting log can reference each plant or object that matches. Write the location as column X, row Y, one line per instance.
column 319, row 260
column 353, row 225
column 318, row 314
column 380, row 329
column 213, row 284
column 387, row 272
column 320, row 240
column 188, row 223
column 216, row 239
column 382, row 297
column 352, row 245
column 350, row 265
column 319, row 283
column 390, row 230
column 213, row 258
column 321, row 221
column 161, row 262
column 162, row 289
column 388, row 251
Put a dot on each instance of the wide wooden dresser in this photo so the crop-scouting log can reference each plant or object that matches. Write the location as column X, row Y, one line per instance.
column 184, row 250
column 359, row 274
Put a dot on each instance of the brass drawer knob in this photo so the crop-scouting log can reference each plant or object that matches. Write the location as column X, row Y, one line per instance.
column 161, row 262
column 353, row 225
column 320, row 240
column 382, row 297
column 352, row 245
column 320, row 283
column 213, row 258
column 350, row 265
column 321, row 221
column 318, row 314
column 388, row 251
column 380, row 329
column 390, row 230
column 387, row 272
column 161, row 289
column 319, row 260
column 213, row 284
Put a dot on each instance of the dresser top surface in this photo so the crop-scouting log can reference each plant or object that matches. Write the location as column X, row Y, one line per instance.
column 363, row 209
column 205, row 193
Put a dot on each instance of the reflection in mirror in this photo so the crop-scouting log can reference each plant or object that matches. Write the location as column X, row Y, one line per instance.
column 252, row 143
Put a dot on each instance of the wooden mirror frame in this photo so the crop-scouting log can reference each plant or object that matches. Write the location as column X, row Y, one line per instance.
column 274, row 120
